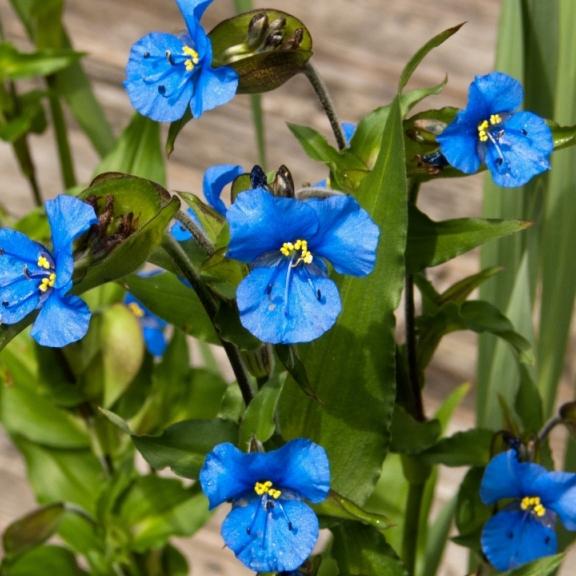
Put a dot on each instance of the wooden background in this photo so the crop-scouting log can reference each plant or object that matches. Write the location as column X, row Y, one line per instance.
column 360, row 49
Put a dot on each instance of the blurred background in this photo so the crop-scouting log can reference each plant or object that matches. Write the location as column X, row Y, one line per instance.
column 360, row 49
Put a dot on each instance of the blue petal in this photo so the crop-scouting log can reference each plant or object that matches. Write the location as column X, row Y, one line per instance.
column 61, row 321
column 158, row 89
column 155, row 341
column 502, row 478
column 349, row 129
column 226, row 474
column 302, row 467
column 513, row 537
column 525, row 149
column 558, row 493
column 192, row 11
column 68, row 217
column 215, row 87
column 16, row 244
column 215, row 179
column 276, row 540
column 284, row 305
column 494, row 93
column 261, row 223
column 347, row 236
column 459, row 144
column 18, row 299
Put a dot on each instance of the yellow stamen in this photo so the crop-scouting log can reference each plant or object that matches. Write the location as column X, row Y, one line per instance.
column 193, row 58
column 483, row 127
column 289, row 249
column 47, row 282
column 136, row 310
column 262, row 488
column 43, row 262
column 533, row 504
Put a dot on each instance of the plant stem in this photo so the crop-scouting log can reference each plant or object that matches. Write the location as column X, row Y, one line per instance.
column 62, row 143
column 411, row 350
column 548, row 427
column 326, row 102
column 196, row 231
column 181, row 259
column 412, row 525
column 24, row 157
column 259, row 128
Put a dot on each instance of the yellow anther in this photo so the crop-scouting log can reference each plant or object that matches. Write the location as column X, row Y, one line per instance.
column 193, row 58
column 533, row 504
column 47, row 282
column 290, row 248
column 483, row 131
column 136, row 310
column 495, row 119
column 262, row 488
column 43, row 262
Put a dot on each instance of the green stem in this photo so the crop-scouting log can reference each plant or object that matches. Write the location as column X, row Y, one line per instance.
column 24, row 157
column 259, row 128
column 181, row 259
column 326, row 102
column 196, row 231
column 61, row 134
column 411, row 526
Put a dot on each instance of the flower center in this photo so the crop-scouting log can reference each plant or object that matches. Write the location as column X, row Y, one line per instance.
column 267, row 487
column 193, row 58
column 136, row 310
column 300, row 248
column 49, row 278
column 534, row 505
column 484, row 126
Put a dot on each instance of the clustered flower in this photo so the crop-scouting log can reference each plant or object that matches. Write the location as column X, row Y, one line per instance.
column 515, row 146
column 35, row 278
column 523, row 530
column 169, row 74
column 270, row 528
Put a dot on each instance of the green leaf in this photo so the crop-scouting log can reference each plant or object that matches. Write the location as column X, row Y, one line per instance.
column 315, row 145
column 58, row 475
column 461, row 290
column 336, row 506
column 543, row 567
column 431, row 243
column 168, row 297
column 212, row 222
column 37, row 419
column 157, row 509
column 415, row 61
column 362, row 551
column 469, row 448
column 32, row 530
column 409, row 436
column 259, row 418
column 15, row 64
column 138, row 151
column 122, row 351
column 360, row 348
column 29, row 117
column 43, row 560
column 150, row 209
column 183, row 446
column 471, row 513
column 262, row 65
column 564, row 137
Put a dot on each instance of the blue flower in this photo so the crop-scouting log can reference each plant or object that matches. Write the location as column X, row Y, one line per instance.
column 166, row 73
column 32, row 277
column 287, row 297
column 216, row 178
column 269, row 528
column 153, row 327
column 515, row 146
column 524, row 531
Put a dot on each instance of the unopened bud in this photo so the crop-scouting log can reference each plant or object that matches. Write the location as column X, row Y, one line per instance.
column 283, row 184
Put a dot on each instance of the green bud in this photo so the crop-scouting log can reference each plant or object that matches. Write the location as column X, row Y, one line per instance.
column 265, row 47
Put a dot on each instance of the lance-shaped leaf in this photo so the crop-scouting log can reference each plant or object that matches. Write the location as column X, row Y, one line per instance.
column 431, row 243
column 43, row 560
column 134, row 214
column 15, row 64
column 265, row 47
column 167, row 296
column 469, row 448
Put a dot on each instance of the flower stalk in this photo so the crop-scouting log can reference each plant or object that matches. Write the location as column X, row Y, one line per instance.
column 326, row 102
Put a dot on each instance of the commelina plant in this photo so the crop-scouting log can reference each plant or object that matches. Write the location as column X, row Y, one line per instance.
column 314, row 445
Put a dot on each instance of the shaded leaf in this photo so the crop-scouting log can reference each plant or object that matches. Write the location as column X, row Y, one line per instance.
column 469, row 448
